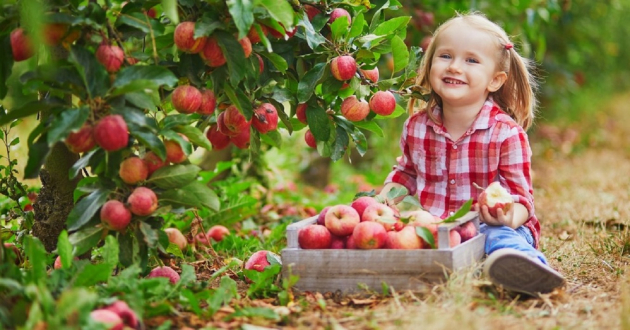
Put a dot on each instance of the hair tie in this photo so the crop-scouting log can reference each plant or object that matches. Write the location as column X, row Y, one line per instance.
column 509, row 46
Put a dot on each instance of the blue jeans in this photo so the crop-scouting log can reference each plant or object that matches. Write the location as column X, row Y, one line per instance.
column 501, row 237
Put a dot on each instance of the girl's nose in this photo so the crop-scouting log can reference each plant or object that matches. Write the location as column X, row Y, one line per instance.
column 454, row 66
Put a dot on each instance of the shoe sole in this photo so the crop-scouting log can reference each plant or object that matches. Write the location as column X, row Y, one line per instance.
column 532, row 277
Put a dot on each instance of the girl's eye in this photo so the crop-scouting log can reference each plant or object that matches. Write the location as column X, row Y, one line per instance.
column 472, row 60
column 445, row 56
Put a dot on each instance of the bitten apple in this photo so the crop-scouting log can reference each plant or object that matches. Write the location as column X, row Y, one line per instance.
column 314, row 237
column 496, row 197
column 341, row 219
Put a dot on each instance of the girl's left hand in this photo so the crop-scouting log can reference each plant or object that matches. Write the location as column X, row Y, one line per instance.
column 502, row 219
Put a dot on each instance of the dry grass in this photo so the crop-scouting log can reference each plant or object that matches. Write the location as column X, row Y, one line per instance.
column 582, row 202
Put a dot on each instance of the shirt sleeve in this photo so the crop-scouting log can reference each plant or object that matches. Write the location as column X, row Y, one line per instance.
column 404, row 172
column 515, row 166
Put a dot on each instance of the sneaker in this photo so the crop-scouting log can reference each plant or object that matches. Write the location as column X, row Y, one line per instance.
column 516, row 271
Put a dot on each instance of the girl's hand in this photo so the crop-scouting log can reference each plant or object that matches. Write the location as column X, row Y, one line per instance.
column 500, row 220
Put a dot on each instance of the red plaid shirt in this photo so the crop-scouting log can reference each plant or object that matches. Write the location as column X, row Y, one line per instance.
column 442, row 172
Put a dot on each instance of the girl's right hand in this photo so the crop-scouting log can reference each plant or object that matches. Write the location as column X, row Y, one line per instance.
column 500, row 220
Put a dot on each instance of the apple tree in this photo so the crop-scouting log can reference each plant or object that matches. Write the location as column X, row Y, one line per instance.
column 126, row 91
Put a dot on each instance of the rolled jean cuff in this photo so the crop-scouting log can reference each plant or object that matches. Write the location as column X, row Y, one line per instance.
column 501, row 237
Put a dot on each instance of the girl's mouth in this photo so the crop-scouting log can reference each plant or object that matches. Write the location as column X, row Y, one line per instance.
column 453, row 81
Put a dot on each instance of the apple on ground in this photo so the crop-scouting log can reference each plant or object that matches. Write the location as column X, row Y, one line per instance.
column 108, row 318
column 123, row 310
column 341, row 219
column 176, row 237
column 496, row 197
column 406, row 239
column 382, row 214
column 217, row 232
column 260, row 260
column 314, row 237
column 361, row 203
column 164, row 271
column 369, row 235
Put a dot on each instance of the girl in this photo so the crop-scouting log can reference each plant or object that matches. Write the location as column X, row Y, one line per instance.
column 472, row 130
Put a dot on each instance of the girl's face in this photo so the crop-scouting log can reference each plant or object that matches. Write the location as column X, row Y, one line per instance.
column 464, row 66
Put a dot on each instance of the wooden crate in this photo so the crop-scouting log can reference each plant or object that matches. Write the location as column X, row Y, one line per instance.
column 343, row 270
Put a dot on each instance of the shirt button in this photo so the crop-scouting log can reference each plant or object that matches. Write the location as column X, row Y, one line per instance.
column 451, row 213
column 454, row 146
column 452, row 181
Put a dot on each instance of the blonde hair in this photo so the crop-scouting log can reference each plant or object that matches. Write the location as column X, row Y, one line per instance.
column 517, row 96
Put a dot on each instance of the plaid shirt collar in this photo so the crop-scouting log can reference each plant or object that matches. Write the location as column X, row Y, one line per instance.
column 485, row 118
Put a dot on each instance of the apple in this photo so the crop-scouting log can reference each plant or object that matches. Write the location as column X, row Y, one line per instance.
column 184, row 38
column 114, row 215
column 265, row 118
column 496, row 197
column 164, row 271
column 21, row 45
column 350, row 243
column 218, row 232
column 380, row 213
column 419, row 217
column 107, row 318
column 354, row 109
column 406, row 239
column 142, row 201
column 54, row 32
column 341, row 219
column 454, row 239
column 153, row 162
column 123, row 310
column 466, row 231
column 10, row 248
column 253, row 35
column 217, row 139
column 361, row 203
column 176, row 237
column 242, row 139
column 81, row 140
column 339, row 12
column 311, row 12
column 343, row 67
column 383, row 103
column 371, row 75
column 369, row 235
column 260, row 260
column 300, row 112
column 232, row 122
column 133, row 170
column 202, row 239
column 338, row 242
column 110, row 133
column 112, row 57
column 261, row 64
column 321, row 218
column 314, row 237
column 246, row 44
column 174, row 151
column 310, row 139
column 212, row 53
column 208, row 102
column 186, row 99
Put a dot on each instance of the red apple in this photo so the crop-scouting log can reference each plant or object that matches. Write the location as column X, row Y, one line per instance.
column 454, row 239
column 321, row 218
column 186, row 99
column 361, row 203
column 380, row 213
column 260, row 260
column 343, row 67
column 54, row 32
column 81, row 140
column 467, row 230
column 247, row 46
column 338, row 242
column 339, row 12
column 341, row 219
column 242, row 139
column 212, row 53
column 110, row 133
column 369, row 235
column 310, row 139
column 153, row 162
column 112, row 57
column 142, row 201
column 21, row 45
column 216, row 138
column 300, row 112
column 107, row 318
column 265, row 118
column 496, row 197
column 311, row 12
column 371, row 75
column 383, row 103
column 208, row 102
column 184, row 37
column 253, row 35
column 218, row 232
column 164, row 271
column 261, row 64
column 127, row 314
column 406, row 239
column 115, row 215
column 350, row 243
column 232, row 122
column 176, row 237
column 133, row 170
column 354, row 109
column 174, row 151
column 314, row 237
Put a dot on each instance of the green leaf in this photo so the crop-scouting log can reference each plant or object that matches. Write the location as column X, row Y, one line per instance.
column 95, row 78
column 92, row 274
column 278, row 61
column 110, row 251
column 36, row 255
column 240, row 100
column 84, row 161
column 150, row 234
column 73, row 300
column 64, row 249
column 371, row 126
column 400, row 53
column 85, row 239
column 233, row 52
column 341, row 144
column 339, row 28
column 281, row 11
column 313, row 37
column 176, row 176
column 170, row 10
column 396, row 192
column 426, row 235
column 148, row 138
column 155, row 74
column 37, row 153
column 358, row 23
column 318, row 123
column 67, row 121
column 86, row 208
column 272, row 138
column 195, row 194
column 392, row 25
column 30, row 108
column 242, row 12
column 306, row 86
column 460, row 213
column 195, row 136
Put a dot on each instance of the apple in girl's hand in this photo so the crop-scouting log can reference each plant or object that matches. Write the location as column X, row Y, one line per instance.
column 406, row 239
column 361, row 203
column 369, row 235
column 341, row 219
column 496, row 197
column 380, row 213
column 314, row 237
column 466, row 231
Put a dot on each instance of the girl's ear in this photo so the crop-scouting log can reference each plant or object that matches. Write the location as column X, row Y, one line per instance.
column 497, row 81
